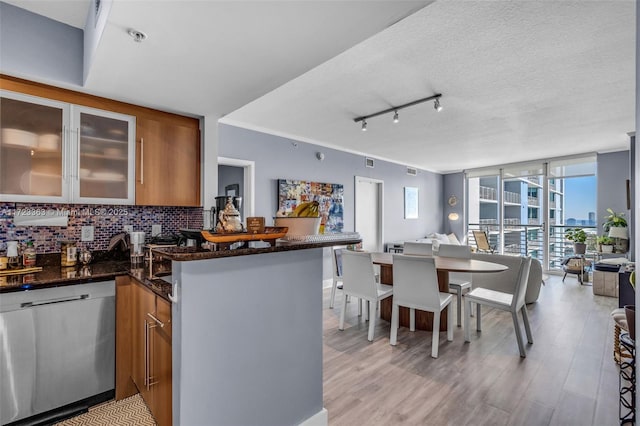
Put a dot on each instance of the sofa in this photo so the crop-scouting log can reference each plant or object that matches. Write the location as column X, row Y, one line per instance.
column 505, row 281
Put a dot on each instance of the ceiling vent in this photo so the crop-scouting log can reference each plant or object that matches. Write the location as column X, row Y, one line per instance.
column 368, row 162
column 412, row 172
column 96, row 11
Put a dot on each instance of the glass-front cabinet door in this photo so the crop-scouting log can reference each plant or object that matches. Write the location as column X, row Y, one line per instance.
column 104, row 157
column 33, row 149
column 56, row 152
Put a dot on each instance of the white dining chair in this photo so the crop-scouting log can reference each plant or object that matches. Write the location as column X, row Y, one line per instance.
column 504, row 301
column 336, row 257
column 359, row 280
column 417, row 249
column 415, row 286
column 459, row 282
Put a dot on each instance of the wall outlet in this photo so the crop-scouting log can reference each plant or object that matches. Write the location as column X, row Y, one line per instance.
column 128, row 228
column 87, row 233
column 156, row 230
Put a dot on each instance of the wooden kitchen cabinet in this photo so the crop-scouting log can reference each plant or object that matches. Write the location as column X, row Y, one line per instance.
column 168, row 161
column 148, row 362
column 167, row 153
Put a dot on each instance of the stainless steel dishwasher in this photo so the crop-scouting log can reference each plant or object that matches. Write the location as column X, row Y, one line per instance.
column 57, row 347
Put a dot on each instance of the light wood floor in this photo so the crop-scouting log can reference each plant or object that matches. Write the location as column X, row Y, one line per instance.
column 568, row 377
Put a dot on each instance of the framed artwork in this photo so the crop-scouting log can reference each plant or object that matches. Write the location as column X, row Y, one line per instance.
column 232, row 190
column 329, row 195
column 410, row 202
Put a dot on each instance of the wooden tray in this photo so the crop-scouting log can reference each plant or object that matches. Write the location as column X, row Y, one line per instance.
column 270, row 234
column 20, row 271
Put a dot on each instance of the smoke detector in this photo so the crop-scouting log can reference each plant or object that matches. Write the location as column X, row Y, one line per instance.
column 138, row 36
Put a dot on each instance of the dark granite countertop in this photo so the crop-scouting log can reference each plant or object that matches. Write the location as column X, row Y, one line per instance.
column 105, row 269
column 185, row 254
column 55, row 276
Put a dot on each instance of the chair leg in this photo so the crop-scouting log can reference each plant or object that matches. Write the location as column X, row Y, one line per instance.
column 395, row 316
column 516, row 324
column 527, row 327
column 479, row 317
column 365, row 308
column 467, row 319
column 565, row 276
column 459, row 302
column 372, row 318
column 344, row 308
column 359, row 307
column 333, row 294
column 435, row 339
column 412, row 319
column 450, row 321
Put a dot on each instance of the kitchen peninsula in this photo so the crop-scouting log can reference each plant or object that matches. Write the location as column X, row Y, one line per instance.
column 247, row 334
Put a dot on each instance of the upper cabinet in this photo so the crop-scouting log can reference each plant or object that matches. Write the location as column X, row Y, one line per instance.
column 56, row 152
column 104, row 158
column 33, row 148
column 60, row 146
column 167, row 162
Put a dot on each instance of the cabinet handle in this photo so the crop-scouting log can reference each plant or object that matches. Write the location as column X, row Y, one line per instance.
column 64, row 165
column 77, row 169
column 146, row 354
column 160, row 323
column 141, row 161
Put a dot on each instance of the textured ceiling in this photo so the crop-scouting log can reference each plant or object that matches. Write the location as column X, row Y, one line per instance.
column 520, row 80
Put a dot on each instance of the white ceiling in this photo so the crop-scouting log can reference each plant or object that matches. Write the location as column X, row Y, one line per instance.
column 520, row 80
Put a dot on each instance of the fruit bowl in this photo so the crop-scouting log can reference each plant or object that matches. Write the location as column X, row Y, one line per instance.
column 299, row 225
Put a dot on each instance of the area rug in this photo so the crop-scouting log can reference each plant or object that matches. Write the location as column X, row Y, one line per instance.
column 130, row 411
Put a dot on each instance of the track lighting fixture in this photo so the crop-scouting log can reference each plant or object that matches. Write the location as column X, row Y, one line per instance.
column 436, row 104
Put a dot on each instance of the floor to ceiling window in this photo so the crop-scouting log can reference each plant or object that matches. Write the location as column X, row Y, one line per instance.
column 526, row 208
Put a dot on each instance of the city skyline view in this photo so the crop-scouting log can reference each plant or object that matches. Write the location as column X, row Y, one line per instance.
column 580, row 198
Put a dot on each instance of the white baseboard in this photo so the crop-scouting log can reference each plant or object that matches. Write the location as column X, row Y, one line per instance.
column 321, row 418
column 327, row 283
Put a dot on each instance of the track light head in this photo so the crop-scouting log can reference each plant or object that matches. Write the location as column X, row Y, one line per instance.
column 364, row 125
column 395, row 117
column 436, row 105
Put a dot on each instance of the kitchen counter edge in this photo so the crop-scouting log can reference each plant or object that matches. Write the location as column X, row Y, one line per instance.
column 188, row 254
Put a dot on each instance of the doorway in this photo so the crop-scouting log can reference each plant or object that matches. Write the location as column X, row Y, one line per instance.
column 237, row 178
column 369, row 199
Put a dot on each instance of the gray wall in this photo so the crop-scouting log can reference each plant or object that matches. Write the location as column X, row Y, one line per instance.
column 454, row 184
column 247, row 336
column 33, row 45
column 613, row 172
column 278, row 157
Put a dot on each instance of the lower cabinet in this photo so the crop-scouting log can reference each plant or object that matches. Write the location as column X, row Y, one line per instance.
column 147, row 363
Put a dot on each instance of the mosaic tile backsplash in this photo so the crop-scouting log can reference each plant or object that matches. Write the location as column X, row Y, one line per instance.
column 106, row 220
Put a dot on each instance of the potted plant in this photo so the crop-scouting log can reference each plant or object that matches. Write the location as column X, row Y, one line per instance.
column 614, row 220
column 606, row 244
column 578, row 237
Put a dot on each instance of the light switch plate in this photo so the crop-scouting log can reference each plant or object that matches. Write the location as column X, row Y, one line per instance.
column 128, row 228
column 87, row 233
column 156, row 230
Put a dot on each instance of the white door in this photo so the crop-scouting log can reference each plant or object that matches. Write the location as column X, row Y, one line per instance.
column 368, row 220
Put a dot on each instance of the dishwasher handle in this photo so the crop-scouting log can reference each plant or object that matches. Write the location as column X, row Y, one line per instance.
column 50, row 302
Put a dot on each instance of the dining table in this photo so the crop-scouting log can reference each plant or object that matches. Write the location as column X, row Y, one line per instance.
column 444, row 265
